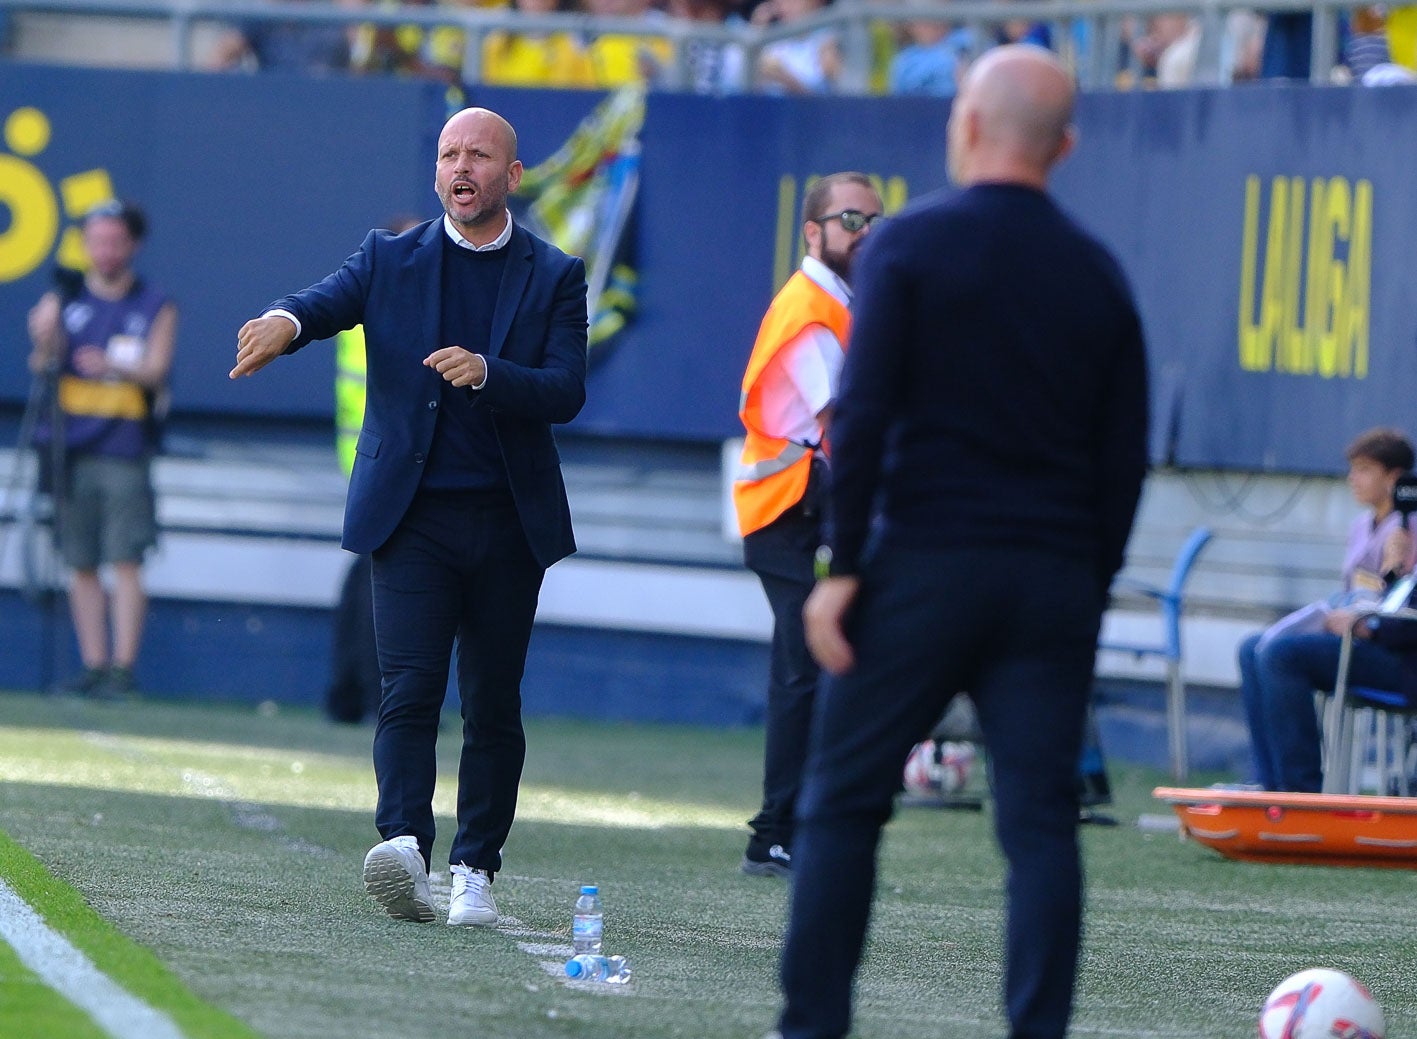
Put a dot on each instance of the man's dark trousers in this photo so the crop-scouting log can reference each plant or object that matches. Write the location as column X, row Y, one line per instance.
column 781, row 555
column 1018, row 630
column 458, row 565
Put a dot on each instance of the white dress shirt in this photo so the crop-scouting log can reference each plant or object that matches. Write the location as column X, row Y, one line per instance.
column 803, row 377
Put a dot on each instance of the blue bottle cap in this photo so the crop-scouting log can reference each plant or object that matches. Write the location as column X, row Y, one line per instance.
column 574, row 968
column 589, row 889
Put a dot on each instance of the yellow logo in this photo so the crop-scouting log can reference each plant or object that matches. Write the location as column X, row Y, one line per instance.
column 1308, row 314
column 34, row 204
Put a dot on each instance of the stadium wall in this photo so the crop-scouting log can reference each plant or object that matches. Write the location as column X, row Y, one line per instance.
column 1266, row 230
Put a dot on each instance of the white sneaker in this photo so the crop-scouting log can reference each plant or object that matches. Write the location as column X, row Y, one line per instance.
column 395, row 875
column 472, row 902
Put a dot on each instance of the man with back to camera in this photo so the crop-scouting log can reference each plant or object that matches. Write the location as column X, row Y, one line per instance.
column 475, row 334
column 111, row 339
column 990, row 436
column 788, row 389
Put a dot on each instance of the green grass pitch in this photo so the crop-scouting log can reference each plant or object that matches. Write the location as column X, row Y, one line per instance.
column 219, row 850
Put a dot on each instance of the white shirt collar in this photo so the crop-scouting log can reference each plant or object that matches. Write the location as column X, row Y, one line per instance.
column 829, row 281
column 496, row 243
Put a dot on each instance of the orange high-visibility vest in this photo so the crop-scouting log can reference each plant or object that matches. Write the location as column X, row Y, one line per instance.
column 773, row 471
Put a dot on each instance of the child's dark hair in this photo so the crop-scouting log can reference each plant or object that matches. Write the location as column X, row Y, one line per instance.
column 1389, row 447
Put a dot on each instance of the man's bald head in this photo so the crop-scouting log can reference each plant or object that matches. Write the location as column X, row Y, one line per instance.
column 470, row 119
column 1013, row 117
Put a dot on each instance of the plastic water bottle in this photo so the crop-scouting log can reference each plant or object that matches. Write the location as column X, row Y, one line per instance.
column 587, row 923
column 612, row 970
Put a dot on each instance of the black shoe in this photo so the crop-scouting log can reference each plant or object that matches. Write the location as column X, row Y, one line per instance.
column 1087, row 817
column 120, row 684
column 89, row 682
column 776, row 861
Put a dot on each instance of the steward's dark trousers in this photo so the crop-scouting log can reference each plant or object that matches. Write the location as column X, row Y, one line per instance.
column 353, row 692
column 458, row 566
column 781, row 555
column 1018, row 630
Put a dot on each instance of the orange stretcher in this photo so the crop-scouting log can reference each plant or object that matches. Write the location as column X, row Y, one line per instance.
column 1312, row 829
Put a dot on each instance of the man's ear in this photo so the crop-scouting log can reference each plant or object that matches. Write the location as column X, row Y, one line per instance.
column 812, row 233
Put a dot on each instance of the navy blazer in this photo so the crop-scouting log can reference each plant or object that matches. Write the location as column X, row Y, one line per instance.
column 536, row 367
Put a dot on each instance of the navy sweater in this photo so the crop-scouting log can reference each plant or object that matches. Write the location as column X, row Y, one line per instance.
column 994, row 393
column 465, row 454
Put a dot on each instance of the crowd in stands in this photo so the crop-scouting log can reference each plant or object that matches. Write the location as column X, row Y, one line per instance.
column 1376, row 45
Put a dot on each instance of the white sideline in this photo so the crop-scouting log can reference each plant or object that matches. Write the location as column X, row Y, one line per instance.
column 70, row 973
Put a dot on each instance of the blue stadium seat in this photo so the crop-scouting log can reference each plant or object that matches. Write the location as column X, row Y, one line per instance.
column 1170, row 601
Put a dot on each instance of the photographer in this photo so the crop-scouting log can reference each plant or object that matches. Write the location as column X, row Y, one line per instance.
column 108, row 339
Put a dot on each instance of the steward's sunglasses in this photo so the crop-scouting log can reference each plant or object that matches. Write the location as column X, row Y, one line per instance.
column 852, row 220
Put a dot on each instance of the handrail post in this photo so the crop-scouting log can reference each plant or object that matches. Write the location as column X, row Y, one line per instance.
column 1323, row 42
column 182, row 39
column 855, row 50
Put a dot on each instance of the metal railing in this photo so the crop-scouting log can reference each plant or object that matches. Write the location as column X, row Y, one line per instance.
column 1089, row 34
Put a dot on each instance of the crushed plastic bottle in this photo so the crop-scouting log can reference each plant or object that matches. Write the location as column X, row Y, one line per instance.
column 612, row 970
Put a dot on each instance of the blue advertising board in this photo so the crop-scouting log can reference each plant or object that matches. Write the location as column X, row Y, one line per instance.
column 253, row 187
column 1265, row 231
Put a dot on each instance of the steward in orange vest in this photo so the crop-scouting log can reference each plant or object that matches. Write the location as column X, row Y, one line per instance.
column 788, row 389
column 773, row 470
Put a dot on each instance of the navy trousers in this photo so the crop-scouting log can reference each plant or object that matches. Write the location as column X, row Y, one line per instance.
column 1277, row 683
column 457, row 571
column 781, row 555
column 1018, row 631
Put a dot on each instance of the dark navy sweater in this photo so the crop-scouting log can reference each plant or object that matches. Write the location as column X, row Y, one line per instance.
column 465, row 454
column 994, row 393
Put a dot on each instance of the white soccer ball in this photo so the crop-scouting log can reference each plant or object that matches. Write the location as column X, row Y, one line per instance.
column 1321, row 1003
column 938, row 767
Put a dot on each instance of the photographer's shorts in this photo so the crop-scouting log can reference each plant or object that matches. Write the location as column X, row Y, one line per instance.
column 109, row 515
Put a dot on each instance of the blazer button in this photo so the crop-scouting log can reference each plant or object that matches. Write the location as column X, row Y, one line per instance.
column 418, row 458
column 432, row 405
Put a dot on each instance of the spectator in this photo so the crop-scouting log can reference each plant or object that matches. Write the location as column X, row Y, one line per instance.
column 934, row 60
column 1166, row 52
column 109, row 336
column 1389, row 75
column 1283, row 727
column 620, row 59
column 715, row 67
column 1241, row 47
column 424, row 52
column 1288, row 45
column 1366, row 47
column 1402, row 35
column 523, row 59
column 1021, row 30
column 807, row 64
column 268, row 45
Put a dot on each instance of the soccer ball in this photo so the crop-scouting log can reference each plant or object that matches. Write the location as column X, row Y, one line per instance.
column 938, row 767
column 1320, row 1003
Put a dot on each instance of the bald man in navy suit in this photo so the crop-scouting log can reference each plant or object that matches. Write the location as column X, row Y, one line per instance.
column 989, row 445
column 475, row 334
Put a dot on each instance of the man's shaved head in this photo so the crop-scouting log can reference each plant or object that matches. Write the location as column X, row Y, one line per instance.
column 1015, row 108
column 469, row 117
